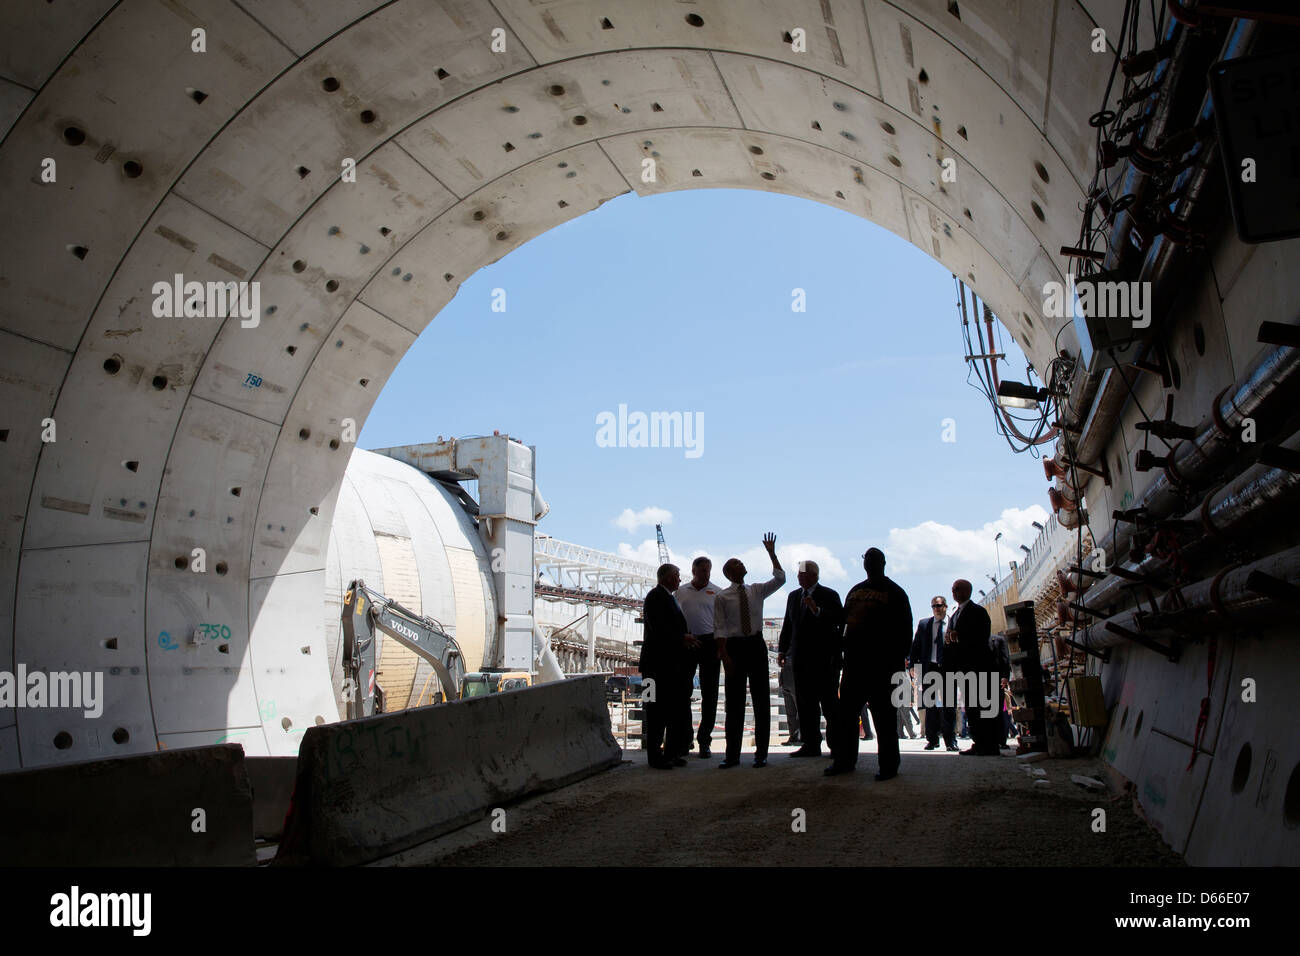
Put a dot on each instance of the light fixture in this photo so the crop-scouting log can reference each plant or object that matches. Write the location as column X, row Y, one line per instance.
column 982, row 594
column 1018, row 395
column 1024, row 549
column 1036, row 525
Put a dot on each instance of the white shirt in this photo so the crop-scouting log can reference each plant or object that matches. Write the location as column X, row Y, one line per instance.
column 697, row 605
column 726, row 607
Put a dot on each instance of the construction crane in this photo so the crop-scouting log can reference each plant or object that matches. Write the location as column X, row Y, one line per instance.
column 663, row 548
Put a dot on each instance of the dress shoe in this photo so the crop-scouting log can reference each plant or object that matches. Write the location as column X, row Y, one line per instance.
column 792, row 742
column 726, row 764
column 835, row 770
column 931, row 746
column 887, row 776
column 807, row 752
column 705, row 752
column 760, row 762
column 679, row 762
column 659, row 764
column 953, row 748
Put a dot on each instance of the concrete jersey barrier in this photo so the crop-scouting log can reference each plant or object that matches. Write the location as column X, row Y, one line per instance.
column 131, row 811
column 372, row 787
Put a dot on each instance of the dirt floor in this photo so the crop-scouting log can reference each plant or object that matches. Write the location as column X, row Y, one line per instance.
column 941, row 810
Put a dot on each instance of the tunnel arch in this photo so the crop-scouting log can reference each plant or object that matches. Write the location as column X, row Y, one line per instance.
column 225, row 165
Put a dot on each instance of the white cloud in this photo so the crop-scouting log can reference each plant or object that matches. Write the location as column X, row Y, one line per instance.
column 630, row 520
column 934, row 548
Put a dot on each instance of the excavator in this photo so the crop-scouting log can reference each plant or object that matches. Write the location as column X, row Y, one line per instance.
column 366, row 612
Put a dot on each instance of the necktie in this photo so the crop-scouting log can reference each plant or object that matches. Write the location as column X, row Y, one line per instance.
column 744, row 611
column 938, row 641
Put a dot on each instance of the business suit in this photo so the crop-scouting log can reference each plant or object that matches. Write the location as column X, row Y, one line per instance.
column 814, row 645
column 972, row 629
column 663, row 660
column 941, row 719
column 877, row 635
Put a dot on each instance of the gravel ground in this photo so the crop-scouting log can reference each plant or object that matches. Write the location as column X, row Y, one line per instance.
column 942, row 810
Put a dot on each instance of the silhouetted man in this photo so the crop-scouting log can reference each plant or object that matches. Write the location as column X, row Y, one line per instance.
column 877, row 635
column 811, row 638
column 663, row 661
column 738, row 618
column 927, row 649
column 696, row 599
column 969, row 635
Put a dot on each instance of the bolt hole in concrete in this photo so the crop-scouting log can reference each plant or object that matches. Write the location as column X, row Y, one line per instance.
column 1241, row 770
column 888, row 127
column 298, row 265
column 767, row 176
column 79, row 251
column 562, row 204
column 656, row 108
column 1198, row 338
column 62, row 740
column 131, row 169
column 367, row 116
column 696, row 172
column 756, row 150
column 222, row 567
column 509, row 147
column 1291, row 803
column 291, row 349
column 605, row 23
column 556, row 89
column 384, row 230
column 694, row 19
column 1123, row 719
column 968, row 215
column 286, row 723
column 334, row 444
column 332, row 285
column 580, row 120
column 447, row 276
column 182, row 563
column 442, row 74
column 923, row 77
column 74, row 135
column 112, row 365
column 1042, row 172
column 1038, row 211
column 131, row 465
column 236, row 490
column 120, row 736
column 479, row 214
column 303, row 172
column 786, row 37
column 314, row 511
column 1137, row 727
column 502, row 235
column 304, row 433
column 111, row 644
column 961, row 131
column 320, row 721
column 159, row 382
column 223, row 649
column 363, row 382
column 198, row 96
column 895, row 161
column 952, row 8
column 329, row 84
column 838, row 194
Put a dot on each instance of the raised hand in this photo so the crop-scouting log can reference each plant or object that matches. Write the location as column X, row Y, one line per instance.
column 769, row 542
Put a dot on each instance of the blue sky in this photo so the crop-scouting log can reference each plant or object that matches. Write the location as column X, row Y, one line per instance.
column 825, row 426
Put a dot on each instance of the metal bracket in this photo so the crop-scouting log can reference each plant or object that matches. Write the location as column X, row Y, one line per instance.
column 1167, row 651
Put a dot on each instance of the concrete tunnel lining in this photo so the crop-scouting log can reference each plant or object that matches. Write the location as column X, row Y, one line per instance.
column 221, row 197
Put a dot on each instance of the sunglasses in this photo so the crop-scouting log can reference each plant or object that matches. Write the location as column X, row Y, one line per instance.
column 941, row 604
